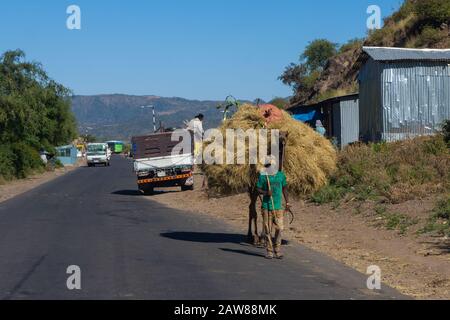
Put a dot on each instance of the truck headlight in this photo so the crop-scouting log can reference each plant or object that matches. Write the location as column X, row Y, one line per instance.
column 142, row 173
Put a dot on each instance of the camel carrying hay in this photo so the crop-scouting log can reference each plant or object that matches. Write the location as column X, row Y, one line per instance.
column 308, row 158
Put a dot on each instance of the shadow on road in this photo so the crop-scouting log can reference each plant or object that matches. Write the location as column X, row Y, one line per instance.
column 205, row 237
column 138, row 193
column 248, row 253
column 165, row 191
column 127, row 193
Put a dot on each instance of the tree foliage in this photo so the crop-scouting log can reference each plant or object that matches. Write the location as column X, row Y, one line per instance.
column 35, row 113
column 433, row 11
column 301, row 77
column 317, row 53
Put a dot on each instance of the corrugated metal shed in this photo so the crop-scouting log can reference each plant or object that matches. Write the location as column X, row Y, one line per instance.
column 339, row 115
column 396, row 54
column 403, row 95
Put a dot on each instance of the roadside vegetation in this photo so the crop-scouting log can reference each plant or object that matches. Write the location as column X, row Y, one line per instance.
column 439, row 221
column 393, row 173
column 390, row 172
column 34, row 114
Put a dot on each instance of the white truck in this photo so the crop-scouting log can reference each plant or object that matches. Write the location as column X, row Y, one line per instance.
column 98, row 153
column 156, row 166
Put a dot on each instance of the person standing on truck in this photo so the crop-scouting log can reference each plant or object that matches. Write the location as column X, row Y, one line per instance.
column 273, row 186
column 196, row 126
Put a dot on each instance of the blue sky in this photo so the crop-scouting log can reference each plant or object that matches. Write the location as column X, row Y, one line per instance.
column 197, row 49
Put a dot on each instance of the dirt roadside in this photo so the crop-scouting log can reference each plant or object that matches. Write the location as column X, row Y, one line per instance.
column 14, row 188
column 416, row 265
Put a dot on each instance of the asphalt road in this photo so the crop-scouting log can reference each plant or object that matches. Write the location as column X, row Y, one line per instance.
column 129, row 247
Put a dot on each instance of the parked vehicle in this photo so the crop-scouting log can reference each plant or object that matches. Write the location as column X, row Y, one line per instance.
column 98, row 153
column 116, row 146
column 157, row 167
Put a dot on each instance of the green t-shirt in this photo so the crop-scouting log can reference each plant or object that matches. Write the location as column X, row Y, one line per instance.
column 277, row 182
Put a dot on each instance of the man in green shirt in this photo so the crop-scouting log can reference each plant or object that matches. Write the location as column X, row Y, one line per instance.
column 273, row 186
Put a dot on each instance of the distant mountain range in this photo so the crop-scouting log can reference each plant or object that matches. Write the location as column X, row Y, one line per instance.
column 120, row 117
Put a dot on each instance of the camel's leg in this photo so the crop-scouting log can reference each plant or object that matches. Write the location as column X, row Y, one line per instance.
column 253, row 236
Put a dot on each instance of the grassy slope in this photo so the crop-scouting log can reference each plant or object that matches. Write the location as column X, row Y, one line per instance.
column 393, row 173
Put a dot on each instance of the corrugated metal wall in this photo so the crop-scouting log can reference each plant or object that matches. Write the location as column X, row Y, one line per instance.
column 370, row 112
column 416, row 98
column 400, row 100
column 346, row 121
column 349, row 121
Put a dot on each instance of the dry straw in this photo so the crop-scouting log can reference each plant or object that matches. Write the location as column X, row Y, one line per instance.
column 309, row 158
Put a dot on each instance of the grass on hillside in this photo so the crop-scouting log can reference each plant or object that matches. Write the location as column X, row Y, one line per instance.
column 417, row 24
column 394, row 220
column 439, row 222
column 333, row 93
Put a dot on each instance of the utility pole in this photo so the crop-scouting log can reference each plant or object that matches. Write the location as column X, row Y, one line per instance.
column 154, row 115
column 154, row 118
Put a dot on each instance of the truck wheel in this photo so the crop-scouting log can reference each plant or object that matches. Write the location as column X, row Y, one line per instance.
column 187, row 188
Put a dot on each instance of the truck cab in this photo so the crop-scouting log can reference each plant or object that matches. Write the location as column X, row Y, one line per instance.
column 98, row 153
column 156, row 166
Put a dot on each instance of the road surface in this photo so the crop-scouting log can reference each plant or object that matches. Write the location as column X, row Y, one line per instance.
column 129, row 247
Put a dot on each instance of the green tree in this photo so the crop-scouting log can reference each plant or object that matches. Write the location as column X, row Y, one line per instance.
column 317, row 53
column 433, row 12
column 35, row 113
column 302, row 77
column 294, row 76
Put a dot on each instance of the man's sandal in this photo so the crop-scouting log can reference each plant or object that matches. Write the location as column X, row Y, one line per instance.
column 279, row 256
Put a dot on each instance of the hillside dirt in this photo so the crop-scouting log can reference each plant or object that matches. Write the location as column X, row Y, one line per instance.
column 13, row 188
column 416, row 265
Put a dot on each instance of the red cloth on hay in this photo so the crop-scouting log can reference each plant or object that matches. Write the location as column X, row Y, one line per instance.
column 271, row 113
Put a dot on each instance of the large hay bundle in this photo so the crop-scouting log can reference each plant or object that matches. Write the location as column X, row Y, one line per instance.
column 309, row 158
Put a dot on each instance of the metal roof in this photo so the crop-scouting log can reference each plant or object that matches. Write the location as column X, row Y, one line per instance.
column 299, row 107
column 394, row 54
column 69, row 146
